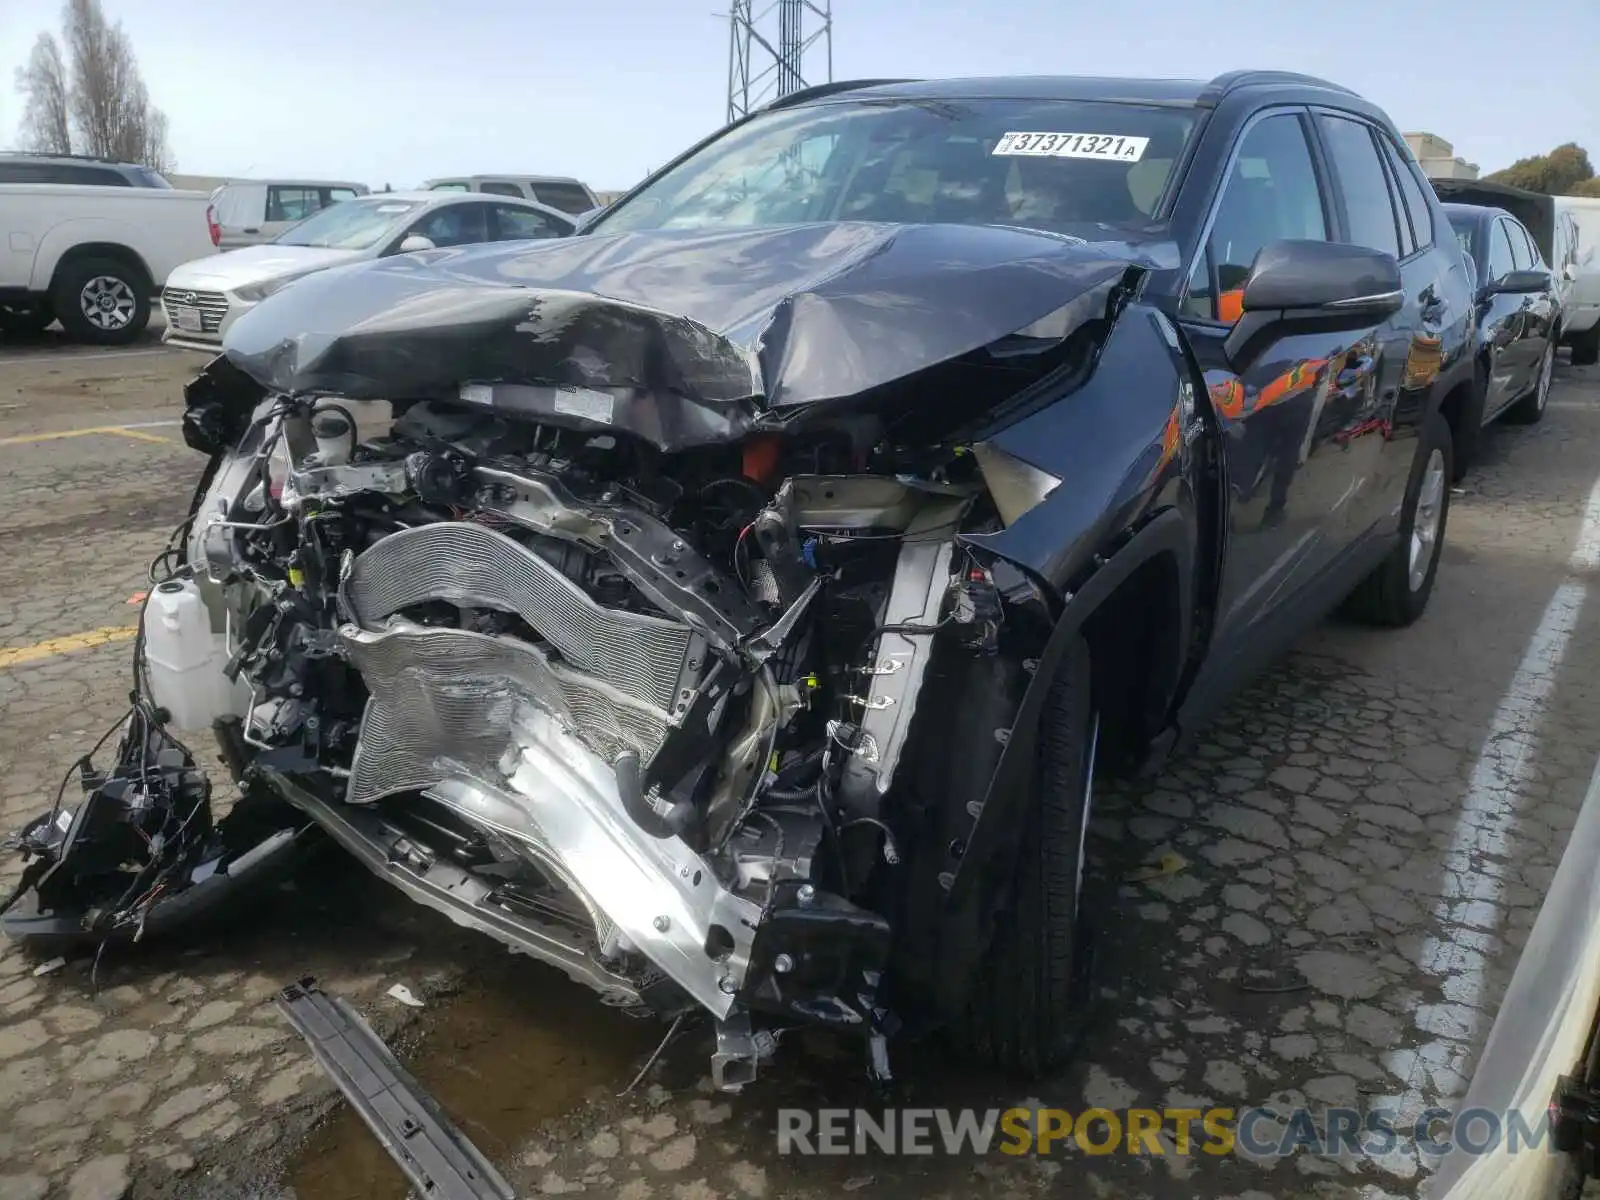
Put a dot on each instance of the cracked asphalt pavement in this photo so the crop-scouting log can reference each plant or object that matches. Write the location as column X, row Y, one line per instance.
column 1319, row 905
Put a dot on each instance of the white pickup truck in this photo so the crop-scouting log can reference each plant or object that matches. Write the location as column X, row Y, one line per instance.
column 94, row 258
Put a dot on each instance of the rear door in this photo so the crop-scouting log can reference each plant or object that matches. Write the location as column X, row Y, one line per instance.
column 1290, row 414
column 1384, row 208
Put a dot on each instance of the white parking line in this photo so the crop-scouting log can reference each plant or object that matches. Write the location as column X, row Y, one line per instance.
column 1469, row 912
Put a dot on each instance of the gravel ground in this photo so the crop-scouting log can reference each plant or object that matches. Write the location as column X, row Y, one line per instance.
column 1319, row 905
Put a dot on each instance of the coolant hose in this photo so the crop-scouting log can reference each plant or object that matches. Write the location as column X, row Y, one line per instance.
column 672, row 823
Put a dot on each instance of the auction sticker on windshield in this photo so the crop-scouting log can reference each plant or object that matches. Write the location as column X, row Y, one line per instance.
column 1073, row 145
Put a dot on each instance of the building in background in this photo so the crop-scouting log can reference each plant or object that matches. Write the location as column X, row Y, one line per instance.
column 1437, row 157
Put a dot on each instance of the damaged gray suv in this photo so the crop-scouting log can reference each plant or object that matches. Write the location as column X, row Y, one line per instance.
column 730, row 606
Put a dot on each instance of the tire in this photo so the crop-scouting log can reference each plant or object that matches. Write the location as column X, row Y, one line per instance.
column 1395, row 594
column 101, row 301
column 1586, row 347
column 1028, row 1007
column 1530, row 409
column 30, row 320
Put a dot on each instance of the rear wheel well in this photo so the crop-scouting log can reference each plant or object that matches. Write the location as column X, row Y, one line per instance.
column 1135, row 658
column 106, row 250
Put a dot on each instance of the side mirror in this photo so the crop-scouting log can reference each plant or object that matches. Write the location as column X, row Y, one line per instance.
column 1520, row 283
column 1313, row 285
column 1569, row 273
column 415, row 241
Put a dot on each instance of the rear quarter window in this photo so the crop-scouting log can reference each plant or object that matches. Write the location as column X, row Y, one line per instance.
column 568, row 197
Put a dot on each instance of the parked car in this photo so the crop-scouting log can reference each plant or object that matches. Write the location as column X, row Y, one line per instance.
column 1555, row 223
column 203, row 298
column 252, row 211
column 746, row 591
column 558, row 191
column 1581, row 328
column 78, row 169
column 1519, row 322
column 93, row 257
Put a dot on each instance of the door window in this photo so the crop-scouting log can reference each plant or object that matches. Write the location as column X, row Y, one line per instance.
column 1271, row 195
column 91, row 176
column 1523, row 247
column 1415, row 200
column 1369, row 207
column 496, row 187
column 455, row 225
column 1501, row 260
column 520, row 224
column 1520, row 257
column 292, row 203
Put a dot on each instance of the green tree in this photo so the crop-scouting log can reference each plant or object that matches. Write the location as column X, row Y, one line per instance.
column 1555, row 174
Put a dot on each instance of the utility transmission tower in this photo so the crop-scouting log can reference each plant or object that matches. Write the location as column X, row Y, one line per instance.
column 767, row 45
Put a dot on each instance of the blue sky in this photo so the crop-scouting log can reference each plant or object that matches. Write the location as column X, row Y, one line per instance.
column 395, row 91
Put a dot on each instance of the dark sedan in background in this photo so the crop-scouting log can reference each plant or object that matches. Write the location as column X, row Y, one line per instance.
column 1519, row 323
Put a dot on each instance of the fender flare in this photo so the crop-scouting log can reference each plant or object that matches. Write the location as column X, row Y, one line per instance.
column 981, row 882
column 62, row 239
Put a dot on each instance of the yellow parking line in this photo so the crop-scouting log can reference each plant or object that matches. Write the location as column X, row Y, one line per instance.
column 65, row 645
column 117, row 430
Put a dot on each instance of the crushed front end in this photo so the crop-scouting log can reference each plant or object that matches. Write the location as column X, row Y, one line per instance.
column 642, row 708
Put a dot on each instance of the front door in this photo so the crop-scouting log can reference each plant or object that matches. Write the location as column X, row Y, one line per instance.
column 1291, row 413
column 1503, row 323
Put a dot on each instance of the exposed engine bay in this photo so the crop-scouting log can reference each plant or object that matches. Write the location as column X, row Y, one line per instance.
column 639, row 718
column 683, row 654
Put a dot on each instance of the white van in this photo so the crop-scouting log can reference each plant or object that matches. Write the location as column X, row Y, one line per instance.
column 253, row 211
column 1568, row 245
column 1582, row 324
column 553, row 191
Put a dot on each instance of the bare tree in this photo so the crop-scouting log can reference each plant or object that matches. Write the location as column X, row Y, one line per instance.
column 110, row 105
column 46, row 106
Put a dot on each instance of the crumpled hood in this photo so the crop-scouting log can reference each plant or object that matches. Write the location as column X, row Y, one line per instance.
column 734, row 323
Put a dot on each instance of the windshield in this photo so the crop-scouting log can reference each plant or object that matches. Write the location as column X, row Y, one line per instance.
column 1047, row 165
column 150, row 177
column 348, row 225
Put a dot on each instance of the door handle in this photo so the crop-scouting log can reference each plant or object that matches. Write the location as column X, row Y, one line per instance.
column 252, row 229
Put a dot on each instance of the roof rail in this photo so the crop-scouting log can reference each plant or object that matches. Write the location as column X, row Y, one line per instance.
column 1228, row 80
column 827, row 89
column 51, row 154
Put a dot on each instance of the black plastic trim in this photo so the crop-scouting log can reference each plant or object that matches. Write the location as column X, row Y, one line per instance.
column 435, row 1156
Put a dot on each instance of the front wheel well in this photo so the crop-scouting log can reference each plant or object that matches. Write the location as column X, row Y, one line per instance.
column 1135, row 656
column 112, row 251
